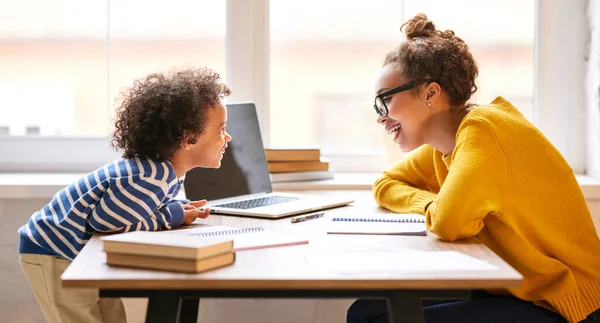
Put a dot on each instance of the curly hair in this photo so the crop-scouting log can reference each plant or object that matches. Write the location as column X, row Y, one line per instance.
column 160, row 111
column 429, row 55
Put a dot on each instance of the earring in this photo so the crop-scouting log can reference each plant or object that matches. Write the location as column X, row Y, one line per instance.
column 428, row 104
column 192, row 141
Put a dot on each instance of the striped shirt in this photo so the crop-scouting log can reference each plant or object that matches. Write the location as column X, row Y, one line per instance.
column 125, row 195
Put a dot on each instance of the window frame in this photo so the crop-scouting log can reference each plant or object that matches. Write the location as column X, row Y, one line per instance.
column 559, row 93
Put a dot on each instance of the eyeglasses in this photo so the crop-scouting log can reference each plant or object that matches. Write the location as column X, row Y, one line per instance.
column 380, row 106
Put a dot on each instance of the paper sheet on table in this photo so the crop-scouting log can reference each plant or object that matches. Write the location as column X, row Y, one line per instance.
column 378, row 262
column 327, row 247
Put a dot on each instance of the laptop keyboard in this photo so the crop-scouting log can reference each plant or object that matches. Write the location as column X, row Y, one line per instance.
column 258, row 202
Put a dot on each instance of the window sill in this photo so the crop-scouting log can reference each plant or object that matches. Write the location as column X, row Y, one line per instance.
column 45, row 185
column 364, row 181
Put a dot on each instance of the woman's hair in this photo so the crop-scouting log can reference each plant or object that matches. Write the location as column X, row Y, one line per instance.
column 159, row 112
column 429, row 55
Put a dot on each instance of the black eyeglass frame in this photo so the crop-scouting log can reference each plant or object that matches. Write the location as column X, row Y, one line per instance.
column 381, row 97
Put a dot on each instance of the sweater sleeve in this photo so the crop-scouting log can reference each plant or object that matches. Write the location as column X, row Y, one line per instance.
column 135, row 206
column 474, row 185
column 407, row 186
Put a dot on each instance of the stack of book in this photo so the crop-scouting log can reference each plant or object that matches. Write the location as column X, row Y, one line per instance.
column 297, row 164
column 159, row 251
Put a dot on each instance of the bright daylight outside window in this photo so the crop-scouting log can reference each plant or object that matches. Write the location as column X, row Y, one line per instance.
column 64, row 62
column 325, row 56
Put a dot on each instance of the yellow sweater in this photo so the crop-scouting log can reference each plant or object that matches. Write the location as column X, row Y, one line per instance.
column 507, row 185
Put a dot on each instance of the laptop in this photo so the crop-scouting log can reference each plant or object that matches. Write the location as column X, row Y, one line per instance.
column 242, row 185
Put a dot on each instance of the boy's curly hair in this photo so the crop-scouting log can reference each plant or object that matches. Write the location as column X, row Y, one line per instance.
column 160, row 111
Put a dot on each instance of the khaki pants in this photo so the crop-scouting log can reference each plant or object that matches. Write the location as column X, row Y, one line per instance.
column 67, row 305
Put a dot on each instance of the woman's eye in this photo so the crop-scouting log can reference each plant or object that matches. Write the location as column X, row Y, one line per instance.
column 387, row 100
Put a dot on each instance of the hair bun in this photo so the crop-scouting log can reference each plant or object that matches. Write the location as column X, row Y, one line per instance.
column 418, row 27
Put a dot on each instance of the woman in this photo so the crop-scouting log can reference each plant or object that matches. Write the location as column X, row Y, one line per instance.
column 486, row 172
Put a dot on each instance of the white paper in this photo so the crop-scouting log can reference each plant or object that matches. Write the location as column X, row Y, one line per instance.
column 385, row 262
column 243, row 238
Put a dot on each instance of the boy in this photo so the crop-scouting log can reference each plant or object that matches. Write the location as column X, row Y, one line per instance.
column 166, row 125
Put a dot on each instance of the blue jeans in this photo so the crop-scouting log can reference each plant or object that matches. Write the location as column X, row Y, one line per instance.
column 482, row 307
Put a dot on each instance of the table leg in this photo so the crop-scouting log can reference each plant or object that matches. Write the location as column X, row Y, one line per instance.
column 163, row 307
column 405, row 307
column 189, row 310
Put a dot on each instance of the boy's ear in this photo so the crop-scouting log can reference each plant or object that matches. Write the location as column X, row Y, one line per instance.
column 188, row 142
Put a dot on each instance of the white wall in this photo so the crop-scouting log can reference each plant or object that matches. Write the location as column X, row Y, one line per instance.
column 592, row 87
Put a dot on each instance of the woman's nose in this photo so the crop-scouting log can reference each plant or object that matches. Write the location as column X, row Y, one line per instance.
column 381, row 120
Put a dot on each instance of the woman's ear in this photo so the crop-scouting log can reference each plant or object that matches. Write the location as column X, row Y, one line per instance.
column 432, row 93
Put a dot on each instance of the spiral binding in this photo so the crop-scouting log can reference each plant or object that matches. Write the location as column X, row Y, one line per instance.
column 227, row 232
column 379, row 220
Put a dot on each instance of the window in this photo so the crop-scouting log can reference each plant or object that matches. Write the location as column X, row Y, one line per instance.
column 323, row 68
column 163, row 35
column 63, row 65
column 304, row 63
column 503, row 49
column 53, row 77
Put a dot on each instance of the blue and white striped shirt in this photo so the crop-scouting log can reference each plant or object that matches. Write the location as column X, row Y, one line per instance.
column 125, row 195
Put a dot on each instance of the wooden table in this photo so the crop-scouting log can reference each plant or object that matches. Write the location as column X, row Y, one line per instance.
column 287, row 273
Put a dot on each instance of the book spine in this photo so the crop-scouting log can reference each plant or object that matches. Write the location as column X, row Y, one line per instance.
column 300, row 176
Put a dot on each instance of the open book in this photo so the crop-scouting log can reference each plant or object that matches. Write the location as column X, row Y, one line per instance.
column 243, row 238
column 400, row 224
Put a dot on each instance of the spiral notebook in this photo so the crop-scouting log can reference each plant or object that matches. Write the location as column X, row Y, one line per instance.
column 393, row 224
column 244, row 238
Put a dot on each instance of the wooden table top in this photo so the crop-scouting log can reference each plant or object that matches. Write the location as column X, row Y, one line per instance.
column 302, row 267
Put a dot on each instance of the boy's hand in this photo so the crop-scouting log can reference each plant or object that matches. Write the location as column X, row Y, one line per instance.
column 190, row 214
column 199, row 204
column 191, row 211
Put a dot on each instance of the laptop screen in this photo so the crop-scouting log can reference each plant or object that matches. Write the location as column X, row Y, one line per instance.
column 244, row 166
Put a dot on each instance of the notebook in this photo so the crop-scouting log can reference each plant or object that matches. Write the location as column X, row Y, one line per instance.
column 158, row 244
column 242, row 185
column 243, row 238
column 395, row 224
